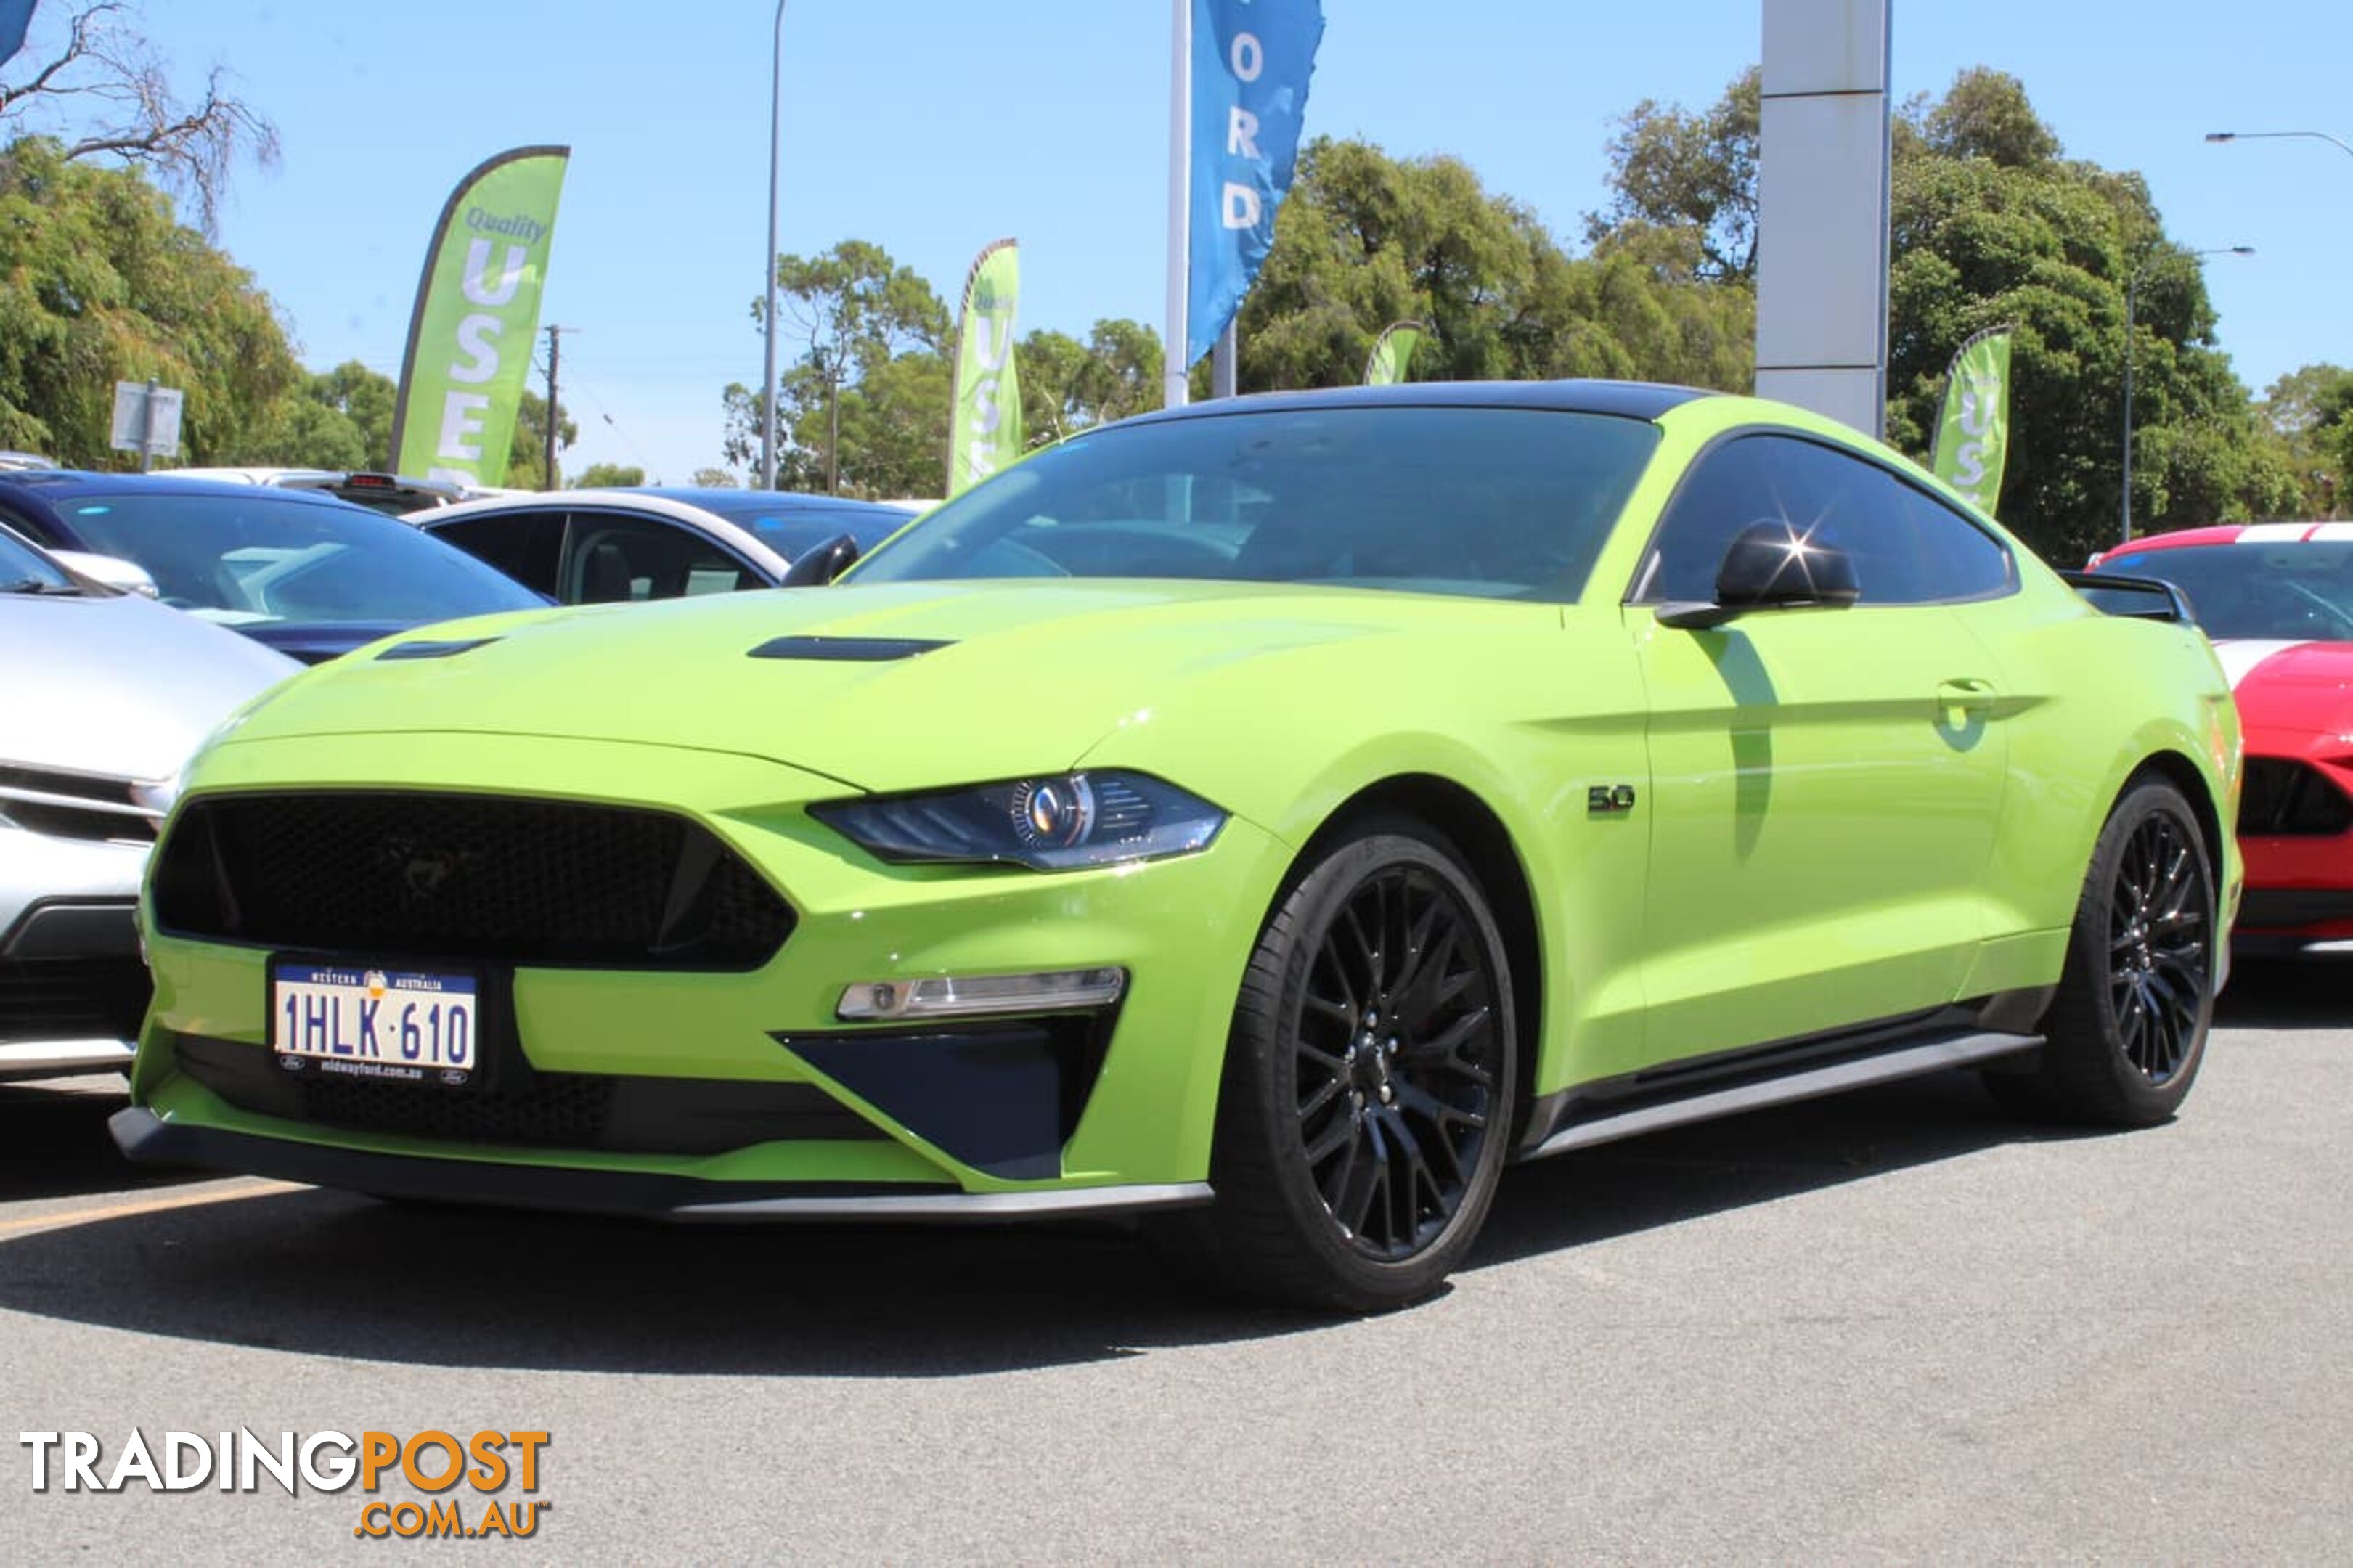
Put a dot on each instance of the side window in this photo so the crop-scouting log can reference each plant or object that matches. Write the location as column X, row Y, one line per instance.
column 32, row 528
column 522, row 544
column 615, row 559
column 1907, row 547
column 1958, row 559
column 1756, row 478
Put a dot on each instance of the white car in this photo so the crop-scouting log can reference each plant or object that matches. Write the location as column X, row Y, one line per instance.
column 610, row 546
column 106, row 695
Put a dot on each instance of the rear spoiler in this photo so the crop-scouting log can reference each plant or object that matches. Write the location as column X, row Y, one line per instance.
column 2141, row 598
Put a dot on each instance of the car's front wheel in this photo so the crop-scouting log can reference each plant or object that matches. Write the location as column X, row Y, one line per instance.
column 2126, row 1030
column 1370, row 1079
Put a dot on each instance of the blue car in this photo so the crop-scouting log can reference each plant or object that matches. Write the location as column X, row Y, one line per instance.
column 307, row 574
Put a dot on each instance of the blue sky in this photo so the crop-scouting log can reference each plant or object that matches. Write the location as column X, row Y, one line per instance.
column 934, row 126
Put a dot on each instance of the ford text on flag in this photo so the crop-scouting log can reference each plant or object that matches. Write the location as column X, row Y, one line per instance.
column 1973, row 434
column 470, row 338
column 1252, row 60
column 985, row 424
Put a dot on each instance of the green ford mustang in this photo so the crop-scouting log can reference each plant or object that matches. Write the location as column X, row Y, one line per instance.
column 1274, row 818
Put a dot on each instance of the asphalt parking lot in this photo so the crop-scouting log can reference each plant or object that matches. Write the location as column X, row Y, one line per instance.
column 1891, row 1326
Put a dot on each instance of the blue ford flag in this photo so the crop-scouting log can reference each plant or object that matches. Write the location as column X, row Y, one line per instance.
column 1252, row 60
column 15, row 15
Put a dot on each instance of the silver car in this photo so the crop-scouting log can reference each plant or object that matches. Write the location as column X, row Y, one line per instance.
column 103, row 695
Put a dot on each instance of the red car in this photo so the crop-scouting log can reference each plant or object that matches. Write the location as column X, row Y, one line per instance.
column 2277, row 600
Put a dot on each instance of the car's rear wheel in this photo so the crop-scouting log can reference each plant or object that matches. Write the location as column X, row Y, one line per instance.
column 1370, row 1079
column 2127, row 1027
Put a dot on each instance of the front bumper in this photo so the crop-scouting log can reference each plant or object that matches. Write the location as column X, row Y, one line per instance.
column 147, row 1139
column 1134, row 1133
column 72, row 984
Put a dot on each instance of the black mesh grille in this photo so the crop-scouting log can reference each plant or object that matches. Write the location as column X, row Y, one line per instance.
column 558, row 1110
column 465, row 877
column 2284, row 798
column 71, row 998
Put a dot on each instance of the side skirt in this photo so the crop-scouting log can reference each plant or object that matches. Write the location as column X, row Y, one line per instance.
column 1779, row 1074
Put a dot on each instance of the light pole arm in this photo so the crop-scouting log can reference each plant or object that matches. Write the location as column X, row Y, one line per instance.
column 2337, row 141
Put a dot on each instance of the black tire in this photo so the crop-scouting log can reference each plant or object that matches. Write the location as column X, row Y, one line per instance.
column 2126, row 1029
column 1367, row 1100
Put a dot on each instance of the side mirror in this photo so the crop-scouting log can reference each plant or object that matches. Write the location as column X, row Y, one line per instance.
column 814, row 568
column 110, row 570
column 1772, row 565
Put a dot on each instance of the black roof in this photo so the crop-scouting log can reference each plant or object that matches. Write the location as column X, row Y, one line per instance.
column 1627, row 399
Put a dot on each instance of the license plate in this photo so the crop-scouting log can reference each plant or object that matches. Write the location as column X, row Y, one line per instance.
column 403, row 1024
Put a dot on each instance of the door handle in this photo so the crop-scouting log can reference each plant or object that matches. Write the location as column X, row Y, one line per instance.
column 1960, row 698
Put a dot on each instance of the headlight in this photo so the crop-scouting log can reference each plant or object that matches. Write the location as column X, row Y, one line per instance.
column 1058, row 823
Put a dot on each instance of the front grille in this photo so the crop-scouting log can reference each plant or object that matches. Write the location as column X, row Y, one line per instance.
column 558, row 1110
column 74, row 806
column 2292, row 799
column 543, row 1109
column 71, row 998
column 488, row 877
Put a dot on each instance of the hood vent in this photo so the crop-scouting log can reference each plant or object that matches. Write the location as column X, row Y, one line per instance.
column 854, row 650
column 435, row 649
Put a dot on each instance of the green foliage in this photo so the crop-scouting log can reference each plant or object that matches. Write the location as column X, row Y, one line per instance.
column 1673, row 169
column 1991, row 225
column 1365, row 240
column 99, row 283
column 608, row 476
column 340, row 418
column 527, row 457
column 852, row 311
column 2308, row 419
column 863, row 407
column 714, row 479
column 1067, row 385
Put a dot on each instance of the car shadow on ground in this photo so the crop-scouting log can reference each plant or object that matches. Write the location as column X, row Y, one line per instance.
column 53, row 1141
column 335, row 1274
column 2314, row 993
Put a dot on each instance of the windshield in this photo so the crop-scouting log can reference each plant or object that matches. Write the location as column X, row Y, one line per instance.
column 258, row 557
column 792, row 532
column 25, row 570
column 1500, row 502
column 2291, row 591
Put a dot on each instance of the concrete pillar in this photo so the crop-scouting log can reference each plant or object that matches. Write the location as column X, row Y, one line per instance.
column 1821, row 209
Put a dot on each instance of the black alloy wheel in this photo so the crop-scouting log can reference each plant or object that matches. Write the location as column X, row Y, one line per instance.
column 1369, row 1082
column 1397, row 1045
column 2125, row 1029
column 2160, row 947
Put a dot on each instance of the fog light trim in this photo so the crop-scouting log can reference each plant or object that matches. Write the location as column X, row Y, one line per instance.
column 977, row 995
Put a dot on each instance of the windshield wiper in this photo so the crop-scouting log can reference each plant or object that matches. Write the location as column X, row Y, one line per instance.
column 35, row 586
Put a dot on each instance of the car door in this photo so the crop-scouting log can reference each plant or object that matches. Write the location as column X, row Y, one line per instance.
column 618, row 557
column 527, row 544
column 1825, row 782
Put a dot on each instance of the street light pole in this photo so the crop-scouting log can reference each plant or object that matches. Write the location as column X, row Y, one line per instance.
column 768, row 321
column 2131, row 302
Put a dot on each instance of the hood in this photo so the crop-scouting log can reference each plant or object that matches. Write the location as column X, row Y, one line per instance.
column 893, row 685
column 119, row 685
column 2290, row 685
